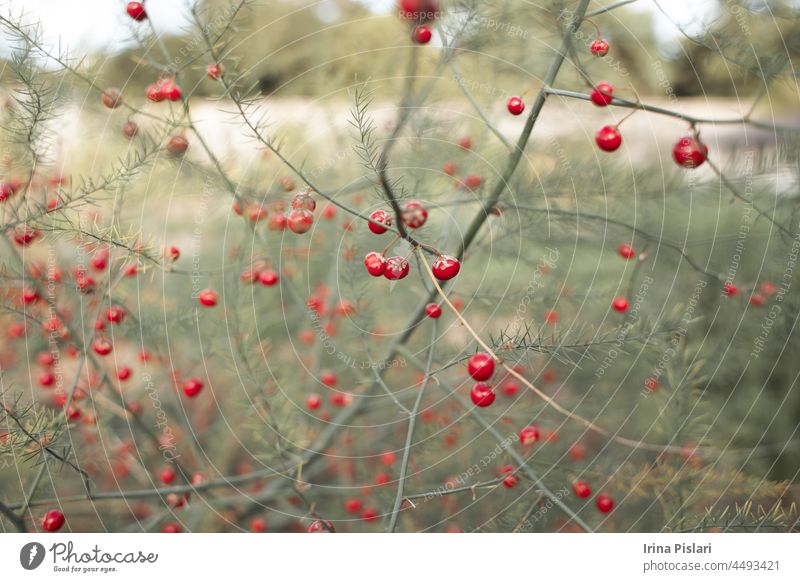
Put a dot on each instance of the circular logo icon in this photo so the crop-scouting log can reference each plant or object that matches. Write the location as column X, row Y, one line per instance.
column 31, row 555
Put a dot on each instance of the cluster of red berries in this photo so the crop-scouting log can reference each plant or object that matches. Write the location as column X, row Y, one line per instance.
column 481, row 367
column 301, row 217
column 688, row 151
column 164, row 89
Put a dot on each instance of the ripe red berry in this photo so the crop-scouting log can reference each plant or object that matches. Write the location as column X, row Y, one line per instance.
column 473, row 181
column 757, row 299
column 608, row 138
column 480, row 366
column 529, row 435
column 214, row 71
column 465, row 143
column 515, row 105
column 353, row 505
column 313, row 401
column 620, row 304
column 396, row 268
column 192, row 387
column 136, row 11
column 730, row 289
column 433, row 311
column 29, row 295
column 510, row 481
column 171, row 527
column 422, row 34
column 53, row 520
column 599, row 47
column 268, row 278
column 321, row 526
column 300, row 220
column 177, row 145
column 626, row 251
column 375, row 263
column 604, row 503
column 208, row 298
column 304, row 200
column 414, row 214
column 167, row 475
column 124, row 373
column 382, row 217
column 112, row 98
column 277, row 222
column 115, row 314
column 602, row 94
column 482, row 395
column 155, row 93
column 170, row 90
column 689, row 152
column 581, row 489
column 102, row 346
column 449, row 168
column 172, row 253
column 445, row 267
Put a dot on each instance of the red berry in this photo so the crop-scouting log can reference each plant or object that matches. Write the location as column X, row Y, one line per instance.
column 510, row 482
column 396, row 268
column 353, row 505
column 53, row 520
column 277, row 222
column 313, row 401
column 214, row 71
column 300, row 220
column 304, row 200
column 602, row 94
column 112, row 98
column 446, row 267
column 730, row 289
column 626, row 251
column 482, row 395
column 170, row 90
column 768, row 288
column 422, row 34
column 29, row 295
column 414, row 214
column 268, row 277
column 608, row 138
column 529, row 435
column 130, row 129
column 375, row 263
column 171, row 527
column 208, row 298
column 382, row 217
column 124, row 373
column 136, row 11
column 329, row 379
column 46, row 379
column 102, row 346
column 192, row 387
column 449, row 168
column 115, row 314
column 515, row 105
column 321, row 526
column 757, row 299
column 599, row 47
column 177, row 145
column 620, row 304
column 167, row 475
column 604, row 503
column 473, row 181
column 155, row 93
column 480, row 366
column 581, row 489
column 465, row 143
column 433, row 311
column 689, row 152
